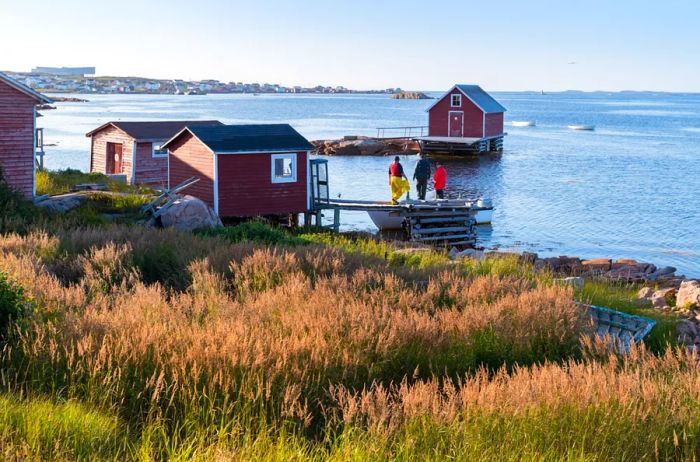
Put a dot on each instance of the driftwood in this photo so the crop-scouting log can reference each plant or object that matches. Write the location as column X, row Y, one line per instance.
column 165, row 200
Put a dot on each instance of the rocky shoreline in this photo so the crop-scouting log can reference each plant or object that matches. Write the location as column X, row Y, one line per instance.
column 661, row 288
column 366, row 146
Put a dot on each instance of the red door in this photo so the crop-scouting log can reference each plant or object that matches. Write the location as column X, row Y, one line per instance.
column 456, row 123
column 115, row 160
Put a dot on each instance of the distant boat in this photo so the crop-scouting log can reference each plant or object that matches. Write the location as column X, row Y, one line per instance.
column 582, row 127
column 523, row 123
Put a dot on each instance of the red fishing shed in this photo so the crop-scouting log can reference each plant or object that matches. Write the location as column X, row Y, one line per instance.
column 132, row 149
column 243, row 170
column 466, row 115
column 18, row 134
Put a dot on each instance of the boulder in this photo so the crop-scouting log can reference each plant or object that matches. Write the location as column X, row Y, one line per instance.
column 528, row 257
column 472, row 253
column 188, row 213
column 345, row 148
column 645, row 293
column 666, row 271
column 368, row 147
column 629, row 273
column 658, row 301
column 688, row 294
column 64, row 203
column 597, row 265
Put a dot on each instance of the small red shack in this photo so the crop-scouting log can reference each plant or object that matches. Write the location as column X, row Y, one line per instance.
column 466, row 115
column 112, row 148
column 244, row 170
column 18, row 134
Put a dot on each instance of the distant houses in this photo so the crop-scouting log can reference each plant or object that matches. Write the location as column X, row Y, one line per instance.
column 18, row 139
column 132, row 149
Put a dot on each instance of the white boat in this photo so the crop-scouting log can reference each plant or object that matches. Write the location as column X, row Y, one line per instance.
column 393, row 219
column 523, row 123
column 582, row 127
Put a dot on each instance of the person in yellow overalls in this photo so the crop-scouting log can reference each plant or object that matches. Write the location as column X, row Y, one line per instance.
column 398, row 181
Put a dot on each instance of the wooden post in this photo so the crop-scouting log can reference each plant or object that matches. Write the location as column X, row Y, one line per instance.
column 336, row 220
column 319, row 219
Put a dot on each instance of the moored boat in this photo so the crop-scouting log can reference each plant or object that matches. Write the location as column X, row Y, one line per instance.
column 581, row 127
column 523, row 123
column 481, row 212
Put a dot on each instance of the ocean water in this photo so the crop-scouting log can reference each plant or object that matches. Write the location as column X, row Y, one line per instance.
column 631, row 188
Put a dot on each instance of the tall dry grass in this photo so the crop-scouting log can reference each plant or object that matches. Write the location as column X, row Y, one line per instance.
column 204, row 348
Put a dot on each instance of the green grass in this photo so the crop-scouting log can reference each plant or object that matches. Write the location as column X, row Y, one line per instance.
column 61, row 181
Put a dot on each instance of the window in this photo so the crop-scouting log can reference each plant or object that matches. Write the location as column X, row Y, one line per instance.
column 284, row 168
column 157, row 152
column 456, row 100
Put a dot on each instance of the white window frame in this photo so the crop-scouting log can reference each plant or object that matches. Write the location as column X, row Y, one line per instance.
column 154, row 145
column 452, row 100
column 285, row 155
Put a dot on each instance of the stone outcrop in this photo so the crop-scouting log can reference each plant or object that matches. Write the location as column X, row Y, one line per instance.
column 188, row 213
column 63, row 203
column 688, row 294
column 411, row 95
column 364, row 146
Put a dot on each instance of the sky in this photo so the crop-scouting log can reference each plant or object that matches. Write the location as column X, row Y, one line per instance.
column 367, row 44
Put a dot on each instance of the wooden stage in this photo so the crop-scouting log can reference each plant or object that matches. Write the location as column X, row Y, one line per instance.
column 460, row 145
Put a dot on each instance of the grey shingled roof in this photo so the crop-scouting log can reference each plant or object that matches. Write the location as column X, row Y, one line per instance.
column 251, row 138
column 156, row 130
column 482, row 99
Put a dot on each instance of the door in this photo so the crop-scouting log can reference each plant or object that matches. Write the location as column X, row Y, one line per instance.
column 456, row 123
column 115, row 160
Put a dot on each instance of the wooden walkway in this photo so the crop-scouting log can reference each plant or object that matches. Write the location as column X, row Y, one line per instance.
column 437, row 223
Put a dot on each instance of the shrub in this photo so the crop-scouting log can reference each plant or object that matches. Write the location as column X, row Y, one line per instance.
column 13, row 303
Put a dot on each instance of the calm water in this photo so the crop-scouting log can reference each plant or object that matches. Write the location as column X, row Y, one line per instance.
column 629, row 189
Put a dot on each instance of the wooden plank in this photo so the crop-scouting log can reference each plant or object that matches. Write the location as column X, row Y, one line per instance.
column 450, row 229
column 444, row 238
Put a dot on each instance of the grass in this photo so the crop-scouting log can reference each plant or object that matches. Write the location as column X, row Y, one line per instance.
column 61, row 182
column 250, row 342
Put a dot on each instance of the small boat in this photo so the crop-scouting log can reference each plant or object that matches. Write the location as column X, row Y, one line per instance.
column 393, row 219
column 621, row 328
column 523, row 123
column 581, row 127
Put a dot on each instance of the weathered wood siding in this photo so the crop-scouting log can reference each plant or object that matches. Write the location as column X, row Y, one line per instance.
column 150, row 170
column 246, row 188
column 17, row 139
column 494, row 124
column 189, row 157
column 438, row 117
column 98, row 159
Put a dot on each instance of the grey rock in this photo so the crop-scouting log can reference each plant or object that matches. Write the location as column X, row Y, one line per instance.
column 64, row 203
column 188, row 214
column 573, row 281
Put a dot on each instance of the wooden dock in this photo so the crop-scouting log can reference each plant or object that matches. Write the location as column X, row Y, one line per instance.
column 432, row 223
column 460, row 145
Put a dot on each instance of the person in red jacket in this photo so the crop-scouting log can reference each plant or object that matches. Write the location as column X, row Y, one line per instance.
column 440, row 181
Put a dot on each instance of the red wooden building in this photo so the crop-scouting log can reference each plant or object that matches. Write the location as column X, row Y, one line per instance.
column 18, row 134
column 244, row 170
column 132, row 149
column 466, row 116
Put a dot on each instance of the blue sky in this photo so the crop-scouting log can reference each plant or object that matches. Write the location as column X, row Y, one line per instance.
column 501, row 45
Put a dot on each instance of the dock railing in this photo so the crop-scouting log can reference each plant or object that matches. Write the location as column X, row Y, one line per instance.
column 402, row 132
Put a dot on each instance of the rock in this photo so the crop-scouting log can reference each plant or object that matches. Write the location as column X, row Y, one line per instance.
column 368, row 147
column 645, row 293
column 472, row 253
column 574, row 281
column 453, row 253
column 346, row 148
column 64, row 203
column 662, row 272
column 686, row 328
column 528, row 257
column 410, row 95
column 629, row 273
column 598, row 265
column 658, row 301
column 688, row 294
column 188, row 213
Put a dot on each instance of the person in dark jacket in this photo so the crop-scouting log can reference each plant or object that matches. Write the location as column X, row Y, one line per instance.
column 421, row 175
